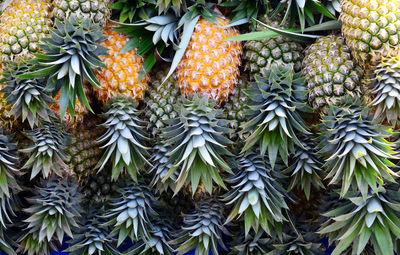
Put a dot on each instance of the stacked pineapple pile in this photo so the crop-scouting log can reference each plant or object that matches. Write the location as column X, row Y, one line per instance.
column 151, row 123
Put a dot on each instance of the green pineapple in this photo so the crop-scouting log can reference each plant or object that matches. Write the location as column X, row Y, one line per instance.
column 92, row 237
column 235, row 109
column 131, row 213
column 260, row 55
column 203, row 228
column 98, row 11
column 46, row 150
column 386, row 88
column 124, row 140
column 331, row 72
column 197, row 144
column 162, row 97
column 274, row 118
column 355, row 148
column 54, row 210
column 365, row 221
column 256, row 196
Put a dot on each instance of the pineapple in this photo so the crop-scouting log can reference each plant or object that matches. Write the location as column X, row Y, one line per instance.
column 97, row 11
column 83, row 152
column 365, row 219
column 256, row 196
column 120, row 78
column 23, row 25
column 161, row 100
column 47, row 150
column 370, row 26
column 132, row 212
column 209, row 65
column 274, row 118
column 260, row 55
column 92, row 237
column 69, row 56
column 250, row 244
column 54, row 211
column 234, row 110
column 355, row 148
column 331, row 72
column 203, row 228
column 197, row 144
column 28, row 98
column 386, row 88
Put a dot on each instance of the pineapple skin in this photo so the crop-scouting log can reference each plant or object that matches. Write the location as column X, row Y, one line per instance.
column 370, row 26
column 210, row 65
column 161, row 99
column 96, row 10
column 121, row 78
column 23, row 25
column 279, row 50
column 331, row 72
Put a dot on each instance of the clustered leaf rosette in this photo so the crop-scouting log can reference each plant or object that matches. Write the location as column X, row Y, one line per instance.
column 202, row 229
column 275, row 122
column 302, row 240
column 197, row 143
column 132, row 212
column 160, row 236
column 29, row 98
column 55, row 209
column 70, row 55
column 256, row 196
column 362, row 221
column 250, row 244
column 8, row 170
column 92, row 237
column 306, row 167
column 386, row 88
column 161, row 166
column 355, row 148
column 47, row 150
column 124, row 140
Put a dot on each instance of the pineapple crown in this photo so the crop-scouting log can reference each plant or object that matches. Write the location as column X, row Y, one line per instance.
column 161, row 235
column 70, row 55
column 256, row 195
column 306, row 166
column 250, row 244
column 28, row 96
column 386, row 88
column 92, row 237
column 365, row 219
column 54, row 210
column 124, row 139
column 132, row 212
column 354, row 147
column 8, row 168
column 197, row 144
column 160, row 168
column 47, row 150
column 203, row 229
column 274, row 101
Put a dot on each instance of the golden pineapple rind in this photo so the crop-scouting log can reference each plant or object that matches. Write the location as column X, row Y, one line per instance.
column 331, row 72
column 370, row 26
column 210, row 66
column 23, row 25
column 121, row 77
column 96, row 10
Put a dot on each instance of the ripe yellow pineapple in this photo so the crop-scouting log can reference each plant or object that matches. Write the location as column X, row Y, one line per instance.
column 210, row 65
column 370, row 26
column 121, row 78
column 23, row 25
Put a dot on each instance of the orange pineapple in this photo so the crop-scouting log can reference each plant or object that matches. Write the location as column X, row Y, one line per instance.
column 121, row 78
column 210, row 65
